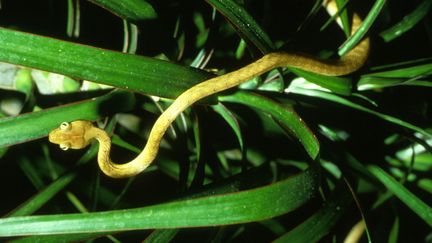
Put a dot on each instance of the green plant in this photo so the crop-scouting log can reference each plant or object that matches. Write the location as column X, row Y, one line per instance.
column 359, row 147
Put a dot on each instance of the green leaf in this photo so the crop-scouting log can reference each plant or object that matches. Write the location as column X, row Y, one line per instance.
column 343, row 15
column 321, row 222
column 394, row 232
column 232, row 122
column 338, row 85
column 408, row 22
column 165, row 235
column 31, row 172
column 115, row 139
column 363, row 29
column 244, row 23
column 34, row 125
column 59, row 238
column 47, row 193
column 23, row 81
column 137, row 73
column 408, row 198
column 261, row 174
column 130, row 37
column 36, row 202
column 73, row 19
column 132, row 10
column 197, row 136
column 408, row 72
column 400, row 74
column 232, row 208
column 425, row 184
column 346, row 102
column 368, row 83
column 287, row 116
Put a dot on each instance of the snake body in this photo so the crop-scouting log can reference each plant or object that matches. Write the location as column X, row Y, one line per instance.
column 78, row 134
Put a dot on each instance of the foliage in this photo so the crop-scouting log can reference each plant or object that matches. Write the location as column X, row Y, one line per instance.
column 289, row 156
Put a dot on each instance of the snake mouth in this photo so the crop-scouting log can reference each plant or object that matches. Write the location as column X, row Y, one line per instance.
column 52, row 138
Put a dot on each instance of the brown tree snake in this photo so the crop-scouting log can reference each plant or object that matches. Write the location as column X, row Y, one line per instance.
column 78, row 134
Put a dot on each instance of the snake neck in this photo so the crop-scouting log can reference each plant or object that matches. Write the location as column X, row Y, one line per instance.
column 108, row 167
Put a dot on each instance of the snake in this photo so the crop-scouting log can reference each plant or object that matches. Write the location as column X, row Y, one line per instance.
column 78, row 134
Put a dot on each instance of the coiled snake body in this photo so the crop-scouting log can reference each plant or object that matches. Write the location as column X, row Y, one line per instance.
column 78, row 134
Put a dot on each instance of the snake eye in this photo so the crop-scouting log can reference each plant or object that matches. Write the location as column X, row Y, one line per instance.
column 65, row 126
column 64, row 146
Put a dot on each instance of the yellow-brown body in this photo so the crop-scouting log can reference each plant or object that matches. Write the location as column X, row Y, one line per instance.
column 78, row 134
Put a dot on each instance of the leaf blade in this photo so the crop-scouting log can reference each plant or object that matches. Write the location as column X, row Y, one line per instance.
column 287, row 116
column 246, row 206
column 132, row 72
column 132, row 10
column 412, row 201
column 35, row 125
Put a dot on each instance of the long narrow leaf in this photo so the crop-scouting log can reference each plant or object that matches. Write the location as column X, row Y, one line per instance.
column 408, row 22
column 346, row 102
column 412, row 201
column 319, row 224
column 406, row 72
column 34, row 125
column 45, row 195
column 259, row 175
column 338, row 85
column 137, row 73
column 41, row 198
column 286, row 116
column 232, row 122
column 363, row 29
column 132, row 10
column 245, row 25
column 232, row 208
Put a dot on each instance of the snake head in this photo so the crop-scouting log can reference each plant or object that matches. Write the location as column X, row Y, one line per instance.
column 71, row 135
